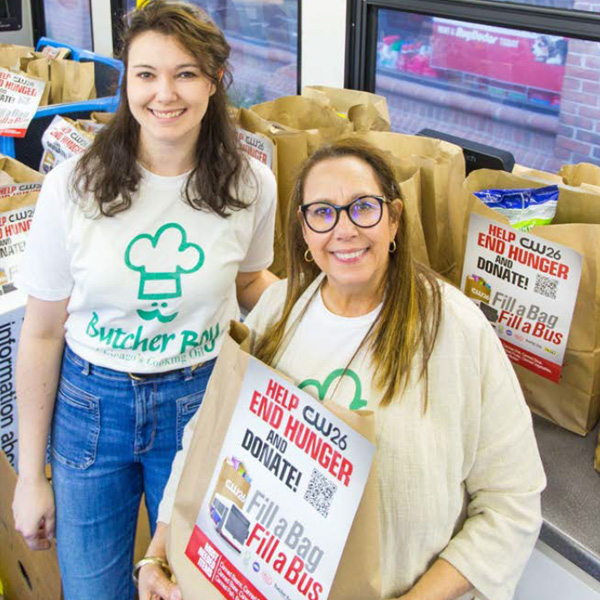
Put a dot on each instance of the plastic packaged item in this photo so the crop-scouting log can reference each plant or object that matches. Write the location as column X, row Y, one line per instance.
column 524, row 208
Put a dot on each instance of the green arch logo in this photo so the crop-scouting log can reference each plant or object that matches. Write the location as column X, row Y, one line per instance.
column 322, row 388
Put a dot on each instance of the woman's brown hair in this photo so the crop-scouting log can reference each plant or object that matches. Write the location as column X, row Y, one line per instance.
column 409, row 318
column 109, row 169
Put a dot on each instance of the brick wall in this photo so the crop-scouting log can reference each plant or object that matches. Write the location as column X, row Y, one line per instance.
column 537, row 140
column 261, row 73
column 578, row 138
column 529, row 135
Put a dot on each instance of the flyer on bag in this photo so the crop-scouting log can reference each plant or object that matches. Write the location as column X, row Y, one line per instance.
column 20, row 96
column 257, row 146
column 62, row 140
column 527, row 287
column 282, row 499
column 14, row 228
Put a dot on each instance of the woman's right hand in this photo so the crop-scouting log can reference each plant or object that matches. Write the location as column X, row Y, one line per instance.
column 33, row 511
column 154, row 583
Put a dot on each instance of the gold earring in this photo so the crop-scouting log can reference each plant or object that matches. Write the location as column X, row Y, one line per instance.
column 308, row 256
column 392, row 247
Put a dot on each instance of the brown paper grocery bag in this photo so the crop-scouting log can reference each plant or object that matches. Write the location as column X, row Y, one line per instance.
column 408, row 177
column 38, row 66
column 295, row 113
column 574, row 403
column 358, row 574
column 231, row 485
column 18, row 197
column 442, row 168
column 366, row 111
column 18, row 171
column 26, row 575
column 62, row 139
column 95, row 123
column 521, row 171
column 102, row 118
column 5, row 179
column 478, row 180
column 59, row 52
column 581, row 173
column 142, row 533
column 588, row 187
column 10, row 55
column 477, row 290
column 71, row 81
column 290, row 151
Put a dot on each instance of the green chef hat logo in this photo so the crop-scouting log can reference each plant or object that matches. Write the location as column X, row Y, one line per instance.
column 357, row 401
column 161, row 259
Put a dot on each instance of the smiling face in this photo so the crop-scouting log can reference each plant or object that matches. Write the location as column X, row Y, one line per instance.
column 354, row 259
column 167, row 92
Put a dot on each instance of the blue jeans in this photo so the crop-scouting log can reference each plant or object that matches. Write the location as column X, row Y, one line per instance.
column 113, row 438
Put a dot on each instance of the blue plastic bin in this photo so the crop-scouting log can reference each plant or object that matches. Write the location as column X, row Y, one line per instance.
column 108, row 74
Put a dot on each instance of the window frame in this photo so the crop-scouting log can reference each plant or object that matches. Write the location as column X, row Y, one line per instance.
column 38, row 20
column 39, row 26
column 119, row 8
column 362, row 23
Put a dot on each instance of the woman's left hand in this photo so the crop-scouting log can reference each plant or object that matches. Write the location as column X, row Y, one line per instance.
column 154, row 584
column 440, row 582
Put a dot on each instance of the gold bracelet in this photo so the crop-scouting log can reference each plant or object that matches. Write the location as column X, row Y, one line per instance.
column 151, row 560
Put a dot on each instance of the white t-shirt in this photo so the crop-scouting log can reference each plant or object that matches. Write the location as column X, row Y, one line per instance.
column 331, row 368
column 152, row 288
column 461, row 480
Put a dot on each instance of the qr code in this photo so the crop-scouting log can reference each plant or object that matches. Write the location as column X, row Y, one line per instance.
column 320, row 492
column 545, row 286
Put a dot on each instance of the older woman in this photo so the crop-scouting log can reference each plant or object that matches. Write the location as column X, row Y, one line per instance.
column 459, row 472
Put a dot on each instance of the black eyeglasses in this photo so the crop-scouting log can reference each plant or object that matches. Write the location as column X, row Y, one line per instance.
column 364, row 212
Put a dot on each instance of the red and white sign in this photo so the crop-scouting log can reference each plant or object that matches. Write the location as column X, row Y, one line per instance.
column 257, row 146
column 62, row 140
column 527, row 288
column 20, row 97
column 277, row 523
column 507, row 55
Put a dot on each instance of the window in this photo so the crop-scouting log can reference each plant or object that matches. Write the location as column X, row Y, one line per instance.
column 70, row 22
column 590, row 5
column 531, row 91
column 263, row 35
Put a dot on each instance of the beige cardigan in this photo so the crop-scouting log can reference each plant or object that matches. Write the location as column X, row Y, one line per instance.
column 461, row 481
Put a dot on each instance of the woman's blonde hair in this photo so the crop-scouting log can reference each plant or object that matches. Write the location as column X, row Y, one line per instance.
column 410, row 315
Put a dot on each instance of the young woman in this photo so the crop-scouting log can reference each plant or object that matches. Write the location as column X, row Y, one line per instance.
column 459, row 471
column 139, row 254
